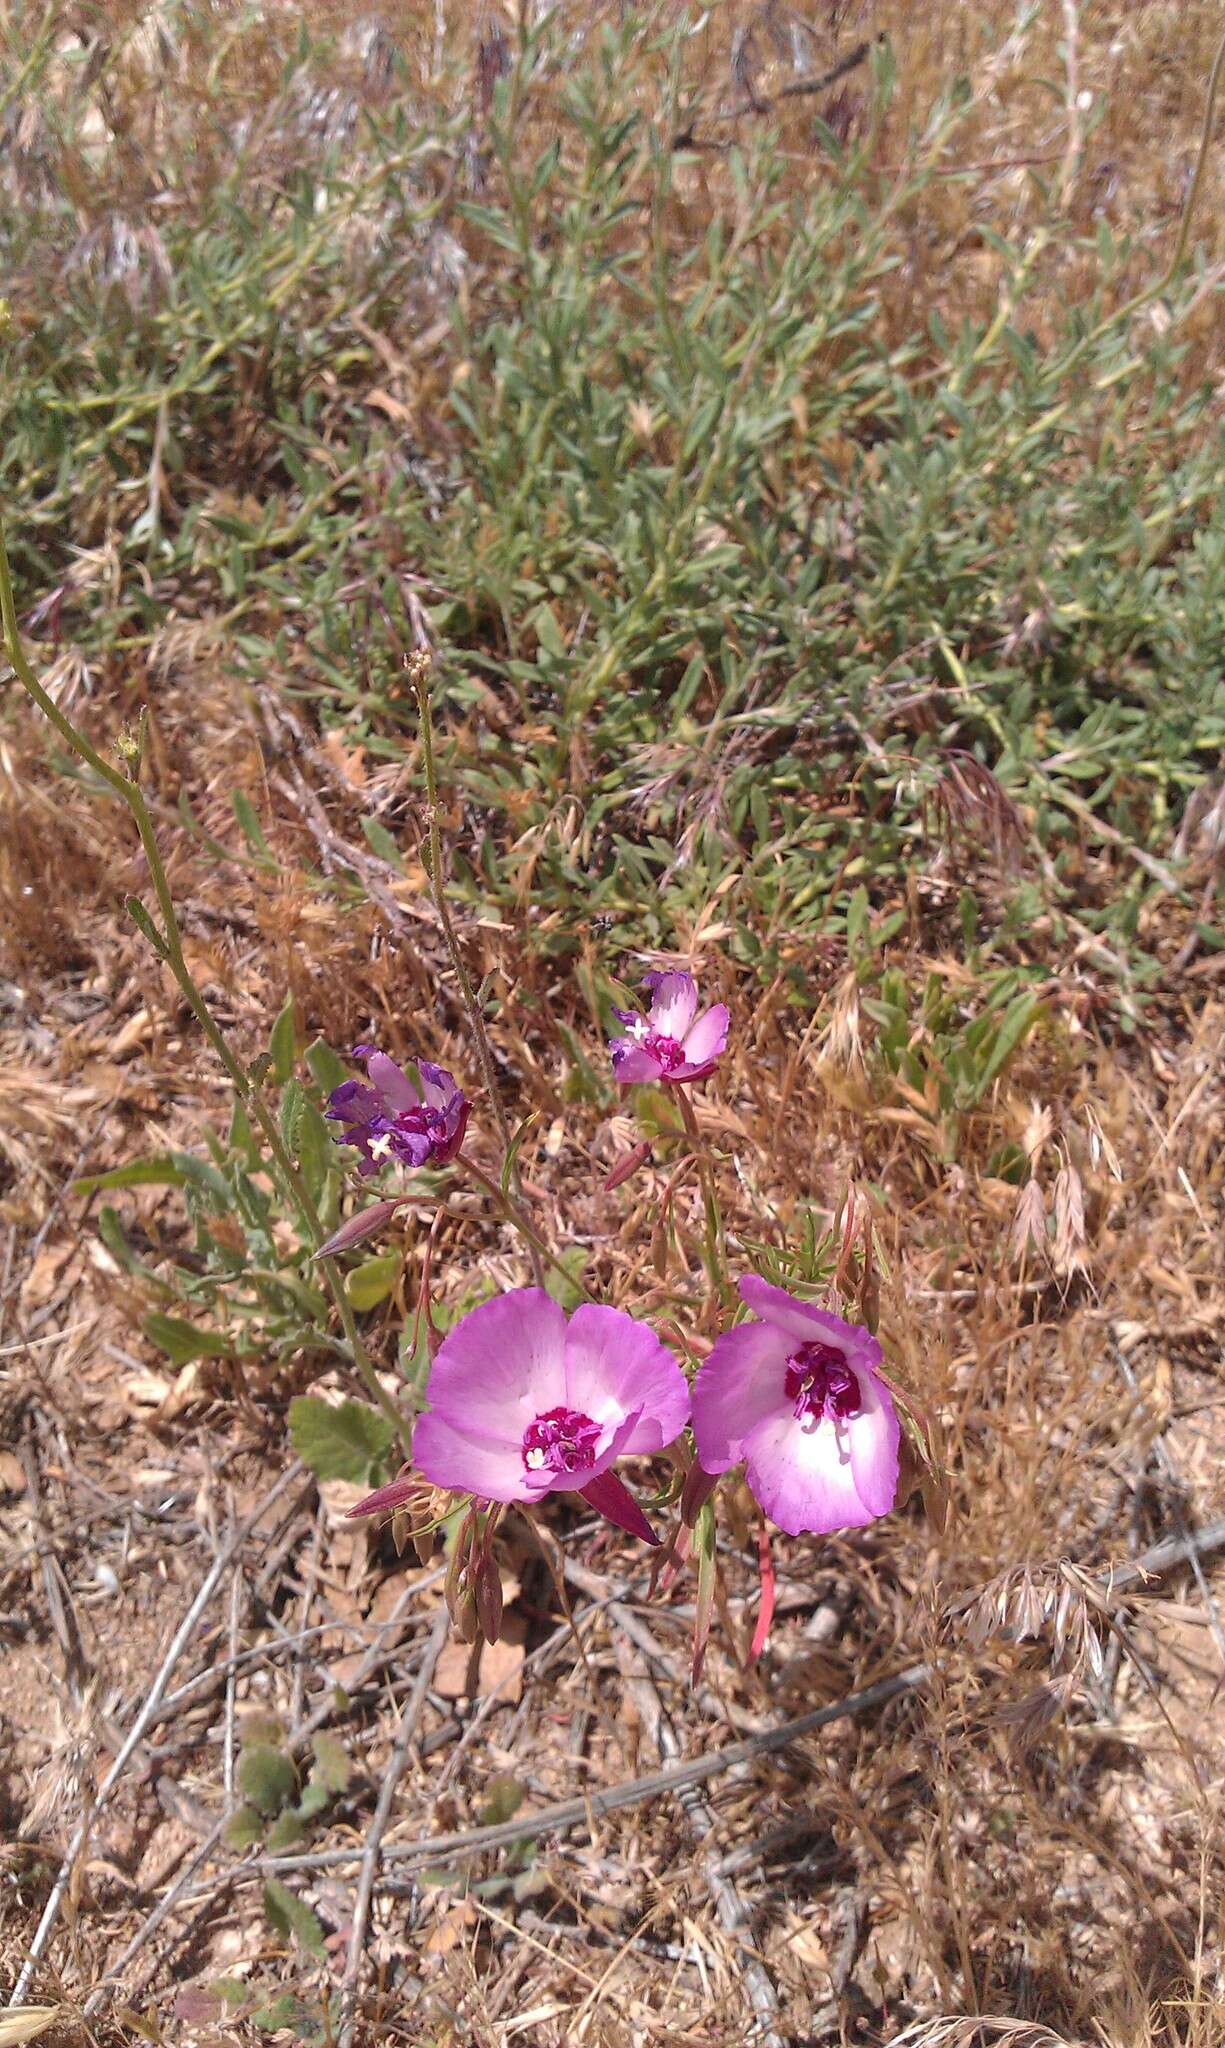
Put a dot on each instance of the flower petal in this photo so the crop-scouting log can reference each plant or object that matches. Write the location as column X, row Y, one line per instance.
column 801, row 1475
column 739, row 1387
column 392, row 1082
column 807, row 1322
column 706, row 1036
column 501, row 1367
column 437, row 1085
column 451, row 1456
column 875, row 1435
column 614, row 1365
column 674, row 998
column 631, row 1063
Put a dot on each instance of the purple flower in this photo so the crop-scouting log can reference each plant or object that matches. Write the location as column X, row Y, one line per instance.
column 523, row 1403
column 390, row 1119
column 671, row 1043
column 798, row 1398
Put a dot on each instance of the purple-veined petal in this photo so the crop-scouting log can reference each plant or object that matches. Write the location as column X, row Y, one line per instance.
column 740, row 1386
column 502, row 1366
column 807, row 1322
column 455, row 1457
column 801, row 1475
column 610, row 1498
column 674, row 999
column 875, row 1435
column 615, row 1364
column 392, row 1083
column 631, row 1064
column 437, row 1085
column 706, row 1036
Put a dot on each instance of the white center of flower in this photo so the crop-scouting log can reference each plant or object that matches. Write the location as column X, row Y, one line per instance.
column 380, row 1147
column 535, row 1458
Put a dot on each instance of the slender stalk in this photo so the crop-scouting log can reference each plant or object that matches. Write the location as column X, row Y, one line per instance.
column 169, row 945
column 535, row 1243
column 419, row 670
column 712, row 1247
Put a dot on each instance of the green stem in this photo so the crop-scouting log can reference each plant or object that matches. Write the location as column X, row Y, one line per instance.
column 169, row 945
column 419, row 670
column 515, row 1215
column 713, row 1237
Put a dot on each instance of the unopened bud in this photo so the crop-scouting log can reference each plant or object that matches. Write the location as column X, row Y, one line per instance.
column 698, row 1487
column 632, row 1160
column 417, row 667
column 488, row 1588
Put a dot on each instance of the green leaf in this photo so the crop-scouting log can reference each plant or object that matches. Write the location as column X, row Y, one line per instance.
column 380, row 841
column 504, row 1796
column 346, row 1441
column 115, row 1238
column 162, row 1171
column 315, row 1797
column 332, row 1766
column 291, row 1915
column 373, row 1280
column 266, row 1777
column 146, row 927
column 327, row 1067
column 512, row 1152
column 287, row 1830
column 565, row 1291
column 858, row 911
column 252, row 831
column 283, row 1044
column 182, row 1341
column 244, row 1828
column 287, row 2013
column 1015, row 1024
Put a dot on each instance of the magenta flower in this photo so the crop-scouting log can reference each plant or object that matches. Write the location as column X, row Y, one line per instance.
column 798, row 1398
column 391, row 1119
column 523, row 1403
column 672, row 1043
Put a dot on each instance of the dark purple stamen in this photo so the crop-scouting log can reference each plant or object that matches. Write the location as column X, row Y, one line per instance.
column 561, row 1440
column 820, row 1383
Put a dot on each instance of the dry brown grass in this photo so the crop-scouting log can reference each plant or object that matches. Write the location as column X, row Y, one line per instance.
column 987, row 1847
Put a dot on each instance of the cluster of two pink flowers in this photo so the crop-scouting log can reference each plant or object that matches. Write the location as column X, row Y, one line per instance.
column 525, row 1403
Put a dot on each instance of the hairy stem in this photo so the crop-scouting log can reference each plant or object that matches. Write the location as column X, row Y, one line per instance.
column 419, row 670
column 169, row 943
column 712, row 1246
column 514, row 1215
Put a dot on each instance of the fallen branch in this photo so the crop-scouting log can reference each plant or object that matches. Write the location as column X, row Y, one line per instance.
column 570, row 1813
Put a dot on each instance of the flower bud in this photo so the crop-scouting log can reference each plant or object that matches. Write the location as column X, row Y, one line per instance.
column 695, row 1493
column 488, row 1589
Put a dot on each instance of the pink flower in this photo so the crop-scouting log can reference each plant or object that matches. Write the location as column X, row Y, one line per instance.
column 672, row 1043
column 523, row 1403
column 797, row 1396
